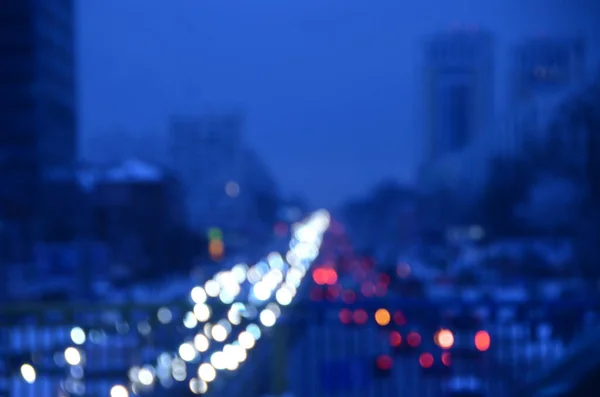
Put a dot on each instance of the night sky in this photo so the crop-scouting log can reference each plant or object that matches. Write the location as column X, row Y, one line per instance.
column 330, row 88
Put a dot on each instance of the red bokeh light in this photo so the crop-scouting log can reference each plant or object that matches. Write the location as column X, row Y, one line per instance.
column 333, row 292
column 426, row 360
column 384, row 278
column 367, row 289
column 482, row 341
column 399, row 318
column 348, row 296
column 360, row 316
column 345, row 316
column 316, row 294
column 395, row 339
column 325, row 276
column 384, row 362
column 381, row 289
column 446, row 359
column 413, row 339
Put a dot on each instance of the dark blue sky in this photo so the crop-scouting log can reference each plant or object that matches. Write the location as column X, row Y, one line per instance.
column 329, row 87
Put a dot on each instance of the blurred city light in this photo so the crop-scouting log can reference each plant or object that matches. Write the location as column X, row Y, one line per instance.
column 399, row 318
column 426, row 360
column 28, row 373
column 444, row 338
column 413, row 339
column 446, row 359
column 207, row 372
column 482, row 341
column 78, row 336
column 382, row 317
column 384, row 363
column 360, row 316
column 216, row 248
column 72, row 356
column 119, row 391
column 187, row 352
column 395, row 339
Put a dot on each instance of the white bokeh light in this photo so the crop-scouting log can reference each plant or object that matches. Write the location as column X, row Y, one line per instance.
column 78, row 336
column 219, row 333
column 119, row 391
column 268, row 318
column 218, row 360
column 146, row 376
column 190, row 321
column 212, row 288
column 198, row 295
column 201, row 343
column 187, row 352
column 207, row 372
column 72, row 356
column 246, row 340
column 202, row 312
column 28, row 373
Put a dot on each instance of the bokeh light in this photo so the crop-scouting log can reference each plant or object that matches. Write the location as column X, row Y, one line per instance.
column 426, row 360
column 444, row 338
column 382, row 317
column 482, row 341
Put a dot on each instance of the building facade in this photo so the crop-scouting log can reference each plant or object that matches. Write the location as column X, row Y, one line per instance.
column 459, row 105
column 37, row 104
column 135, row 209
column 207, row 154
column 544, row 66
column 458, row 89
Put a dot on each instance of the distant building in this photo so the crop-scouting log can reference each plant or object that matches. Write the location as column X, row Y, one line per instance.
column 135, row 208
column 459, row 104
column 458, row 90
column 545, row 66
column 37, row 103
column 66, row 270
column 207, row 154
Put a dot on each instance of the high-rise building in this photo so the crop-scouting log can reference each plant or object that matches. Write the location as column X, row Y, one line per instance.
column 37, row 103
column 542, row 66
column 458, row 89
column 207, row 155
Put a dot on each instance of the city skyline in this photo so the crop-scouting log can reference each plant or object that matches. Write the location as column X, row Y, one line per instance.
column 330, row 93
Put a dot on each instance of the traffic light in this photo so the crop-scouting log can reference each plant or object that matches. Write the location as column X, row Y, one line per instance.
column 383, row 365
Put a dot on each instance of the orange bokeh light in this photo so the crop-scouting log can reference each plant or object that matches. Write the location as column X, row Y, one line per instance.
column 382, row 317
column 444, row 338
column 482, row 341
column 216, row 248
